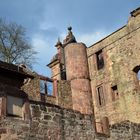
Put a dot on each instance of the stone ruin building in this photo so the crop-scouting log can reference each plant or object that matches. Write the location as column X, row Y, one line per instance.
column 93, row 94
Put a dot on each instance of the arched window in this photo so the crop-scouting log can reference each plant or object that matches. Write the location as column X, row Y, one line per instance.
column 100, row 60
column 137, row 75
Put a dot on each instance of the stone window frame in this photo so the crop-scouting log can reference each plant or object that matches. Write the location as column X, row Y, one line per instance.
column 114, row 93
column 100, row 63
column 102, row 126
column 63, row 75
column 43, row 86
column 135, row 70
column 100, row 96
column 54, row 87
column 9, row 103
column 25, row 114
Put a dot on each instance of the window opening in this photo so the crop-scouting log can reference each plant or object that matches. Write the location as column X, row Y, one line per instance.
column 115, row 93
column 14, row 106
column 136, row 71
column 43, row 87
column 100, row 60
column 63, row 72
column 138, row 75
column 100, row 95
column 46, row 87
column 49, row 88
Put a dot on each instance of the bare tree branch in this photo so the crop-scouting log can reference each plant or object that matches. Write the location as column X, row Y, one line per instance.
column 14, row 48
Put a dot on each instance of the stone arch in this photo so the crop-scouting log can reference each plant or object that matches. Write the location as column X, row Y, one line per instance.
column 136, row 71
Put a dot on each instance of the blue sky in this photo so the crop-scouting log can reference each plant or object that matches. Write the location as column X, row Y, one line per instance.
column 46, row 20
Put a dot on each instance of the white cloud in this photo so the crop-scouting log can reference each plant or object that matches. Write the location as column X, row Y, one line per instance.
column 41, row 45
column 91, row 38
column 38, row 42
column 44, row 25
column 45, row 53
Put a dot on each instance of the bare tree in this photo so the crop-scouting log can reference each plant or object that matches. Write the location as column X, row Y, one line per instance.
column 14, row 47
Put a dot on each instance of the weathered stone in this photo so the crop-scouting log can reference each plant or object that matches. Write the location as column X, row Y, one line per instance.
column 99, row 100
column 47, row 117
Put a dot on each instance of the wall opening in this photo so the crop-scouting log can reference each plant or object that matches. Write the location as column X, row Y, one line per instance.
column 63, row 72
column 100, row 60
column 102, row 126
column 100, row 95
column 43, row 87
column 138, row 75
column 114, row 92
column 14, row 106
column 49, row 88
column 46, row 87
column 63, row 75
column 136, row 71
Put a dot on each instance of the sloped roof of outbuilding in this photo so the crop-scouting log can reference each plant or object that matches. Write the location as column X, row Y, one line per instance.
column 14, row 69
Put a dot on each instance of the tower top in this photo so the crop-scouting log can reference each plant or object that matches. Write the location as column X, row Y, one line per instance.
column 70, row 38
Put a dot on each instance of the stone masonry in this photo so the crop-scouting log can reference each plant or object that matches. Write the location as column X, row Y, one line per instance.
column 49, row 122
column 121, row 52
column 93, row 94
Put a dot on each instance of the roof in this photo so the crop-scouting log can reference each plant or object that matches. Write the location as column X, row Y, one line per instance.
column 14, row 69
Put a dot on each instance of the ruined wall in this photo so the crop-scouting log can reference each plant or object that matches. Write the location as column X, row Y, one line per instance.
column 121, row 52
column 49, row 122
column 62, row 97
column 125, row 131
column 64, row 94
column 32, row 88
column 51, row 99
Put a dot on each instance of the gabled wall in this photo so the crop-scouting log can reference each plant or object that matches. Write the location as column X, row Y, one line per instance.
column 121, row 53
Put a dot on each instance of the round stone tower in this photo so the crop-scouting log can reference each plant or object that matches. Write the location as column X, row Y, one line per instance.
column 77, row 72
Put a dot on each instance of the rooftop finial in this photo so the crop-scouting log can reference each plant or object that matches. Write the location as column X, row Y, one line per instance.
column 58, row 42
column 69, row 28
column 70, row 37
